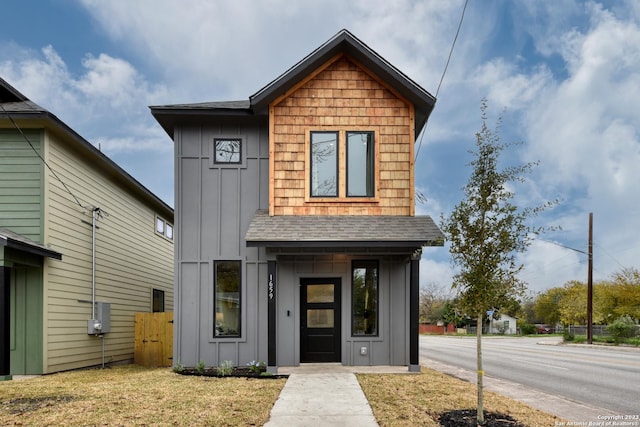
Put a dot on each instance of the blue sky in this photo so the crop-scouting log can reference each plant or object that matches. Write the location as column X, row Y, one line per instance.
column 565, row 74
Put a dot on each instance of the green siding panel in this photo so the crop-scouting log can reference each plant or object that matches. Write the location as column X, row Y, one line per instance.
column 21, row 183
column 26, row 321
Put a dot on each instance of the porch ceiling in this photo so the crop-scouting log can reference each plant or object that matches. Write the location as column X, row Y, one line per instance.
column 342, row 231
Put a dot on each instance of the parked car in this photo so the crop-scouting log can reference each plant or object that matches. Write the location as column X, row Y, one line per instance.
column 544, row 329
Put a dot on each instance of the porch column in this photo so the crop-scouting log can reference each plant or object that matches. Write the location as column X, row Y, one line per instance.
column 414, row 318
column 5, row 330
column 272, row 364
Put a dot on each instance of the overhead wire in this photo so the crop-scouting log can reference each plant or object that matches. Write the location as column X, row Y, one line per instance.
column 444, row 72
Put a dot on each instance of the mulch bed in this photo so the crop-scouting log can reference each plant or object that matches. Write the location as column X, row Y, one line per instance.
column 238, row 372
column 468, row 418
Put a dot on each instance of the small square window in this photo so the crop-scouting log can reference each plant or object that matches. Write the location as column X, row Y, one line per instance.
column 228, row 150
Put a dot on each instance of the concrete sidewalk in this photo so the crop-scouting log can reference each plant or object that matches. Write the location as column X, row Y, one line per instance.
column 330, row 399
column 325, row 394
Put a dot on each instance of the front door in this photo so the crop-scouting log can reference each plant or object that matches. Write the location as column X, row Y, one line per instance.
column 320, row 320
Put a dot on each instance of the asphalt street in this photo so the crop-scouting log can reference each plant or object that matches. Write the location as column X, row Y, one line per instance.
column 606, row 378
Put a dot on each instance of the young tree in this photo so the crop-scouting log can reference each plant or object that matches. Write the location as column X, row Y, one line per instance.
column 486, row 231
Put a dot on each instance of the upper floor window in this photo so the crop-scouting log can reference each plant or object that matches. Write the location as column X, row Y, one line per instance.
column 327, row 148
column 360, row 158
column 164, row 228
column 227, row 150
column 324, row 164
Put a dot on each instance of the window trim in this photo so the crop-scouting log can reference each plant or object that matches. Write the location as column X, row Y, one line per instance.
column 240, row 301
column 242, row 164
column 342, row 165
column 354, row 263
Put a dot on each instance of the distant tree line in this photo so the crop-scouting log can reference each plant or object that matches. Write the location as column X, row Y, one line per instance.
column 613, row 298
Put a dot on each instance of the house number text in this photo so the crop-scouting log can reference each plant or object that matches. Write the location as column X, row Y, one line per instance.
column 271, row 286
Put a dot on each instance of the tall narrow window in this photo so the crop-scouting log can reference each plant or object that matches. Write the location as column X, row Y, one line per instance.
column 364, row 282
column 227, row 298
column 324, row 164
column 158, row 301
column 360, row 161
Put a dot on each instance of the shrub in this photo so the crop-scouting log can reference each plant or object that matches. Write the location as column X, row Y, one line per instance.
column 255, row 366
column 621, row 328
column 225, row 368
column 527, row 329
column 178, row 368
column 200, row 367
column 567, row 336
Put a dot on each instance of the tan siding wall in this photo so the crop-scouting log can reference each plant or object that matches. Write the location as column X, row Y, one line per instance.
column 342, row 96
column 131, row 259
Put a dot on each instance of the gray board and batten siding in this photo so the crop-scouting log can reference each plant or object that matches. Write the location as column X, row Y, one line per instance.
column 214, row 206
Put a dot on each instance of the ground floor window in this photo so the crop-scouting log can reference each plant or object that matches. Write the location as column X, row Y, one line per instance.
column 158, row 301
column 227, row 298
column 364, row 299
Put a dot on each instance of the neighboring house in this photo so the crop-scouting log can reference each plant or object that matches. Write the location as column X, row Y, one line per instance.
column 46, row 246
column 297, row 239
column 504, row 324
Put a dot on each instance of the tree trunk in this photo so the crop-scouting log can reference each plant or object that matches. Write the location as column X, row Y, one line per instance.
column 480, row 371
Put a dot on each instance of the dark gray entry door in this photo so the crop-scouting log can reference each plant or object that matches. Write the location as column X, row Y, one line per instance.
column 320, row 320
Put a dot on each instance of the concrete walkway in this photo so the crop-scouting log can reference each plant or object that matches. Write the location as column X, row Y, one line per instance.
column 324, row 395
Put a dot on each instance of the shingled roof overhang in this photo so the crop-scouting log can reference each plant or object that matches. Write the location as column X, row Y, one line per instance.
column 13, row 240
column 343, row 231
column 258, row 104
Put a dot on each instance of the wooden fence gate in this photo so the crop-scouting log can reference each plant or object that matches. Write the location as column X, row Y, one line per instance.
column 154, row 339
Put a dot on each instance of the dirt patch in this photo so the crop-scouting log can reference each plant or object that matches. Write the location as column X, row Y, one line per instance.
column 22, row 405
column 468, row 417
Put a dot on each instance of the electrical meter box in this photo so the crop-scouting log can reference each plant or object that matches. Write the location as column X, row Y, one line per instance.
column 102, row 323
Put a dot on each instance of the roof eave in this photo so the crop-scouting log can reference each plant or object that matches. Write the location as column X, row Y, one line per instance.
column 29, row 248
column 342, row 243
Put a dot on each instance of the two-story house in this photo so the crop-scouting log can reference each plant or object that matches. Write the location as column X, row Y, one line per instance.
column 81, row 241
column 296, row 234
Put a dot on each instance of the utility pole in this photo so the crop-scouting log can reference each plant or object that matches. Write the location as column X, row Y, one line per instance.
column 590, row 283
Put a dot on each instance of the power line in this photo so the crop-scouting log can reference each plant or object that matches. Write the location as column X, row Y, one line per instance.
column 464, row 8
column 42, row 158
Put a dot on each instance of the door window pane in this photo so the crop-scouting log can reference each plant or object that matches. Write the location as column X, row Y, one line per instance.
column 324, row 164
column 365, row 298
column 360, row 160
column 320, row 293
column 227, row 298
column 320, row 318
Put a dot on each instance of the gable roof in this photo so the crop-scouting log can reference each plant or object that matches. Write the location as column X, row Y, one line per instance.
column 343, row 42
column 14, row 105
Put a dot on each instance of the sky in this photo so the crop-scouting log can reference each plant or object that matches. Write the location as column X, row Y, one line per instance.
column 564, row 75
